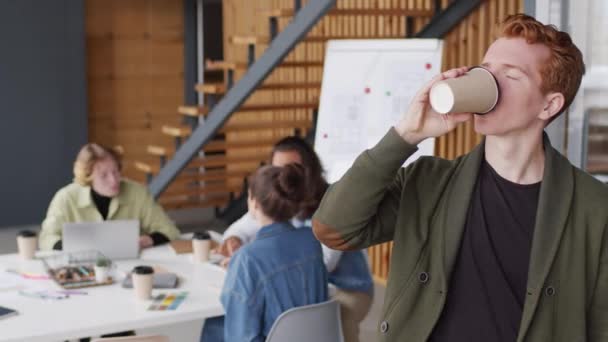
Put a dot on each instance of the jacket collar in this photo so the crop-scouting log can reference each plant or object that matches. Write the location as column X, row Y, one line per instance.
column 556, row 192
column 84, row 200
column 274, row 229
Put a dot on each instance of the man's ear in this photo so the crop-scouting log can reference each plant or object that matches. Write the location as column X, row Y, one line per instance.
column 554, row 104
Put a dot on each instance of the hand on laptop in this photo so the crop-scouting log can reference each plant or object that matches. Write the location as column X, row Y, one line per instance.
column 145, row 241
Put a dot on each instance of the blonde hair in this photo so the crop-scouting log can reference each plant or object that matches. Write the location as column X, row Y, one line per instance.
column 87, row 157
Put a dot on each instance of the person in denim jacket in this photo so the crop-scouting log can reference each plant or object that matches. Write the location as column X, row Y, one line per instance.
column 349, row 273
column 282, row 269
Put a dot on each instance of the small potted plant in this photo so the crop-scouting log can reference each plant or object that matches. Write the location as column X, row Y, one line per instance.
column 102, row 270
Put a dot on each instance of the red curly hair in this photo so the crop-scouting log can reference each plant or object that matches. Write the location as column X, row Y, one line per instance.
column 564, row 69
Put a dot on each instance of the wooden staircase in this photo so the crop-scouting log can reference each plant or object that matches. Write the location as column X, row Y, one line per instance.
column 283, row 105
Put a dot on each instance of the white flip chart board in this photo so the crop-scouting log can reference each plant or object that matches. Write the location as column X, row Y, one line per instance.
column 367, row 86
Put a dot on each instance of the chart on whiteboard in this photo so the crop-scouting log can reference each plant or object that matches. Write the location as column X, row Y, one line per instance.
column 367, row 86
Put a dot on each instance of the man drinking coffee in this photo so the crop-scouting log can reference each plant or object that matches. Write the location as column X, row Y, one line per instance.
column 506, row 243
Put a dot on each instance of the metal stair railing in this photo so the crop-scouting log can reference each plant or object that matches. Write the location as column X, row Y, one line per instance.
column 281, row 45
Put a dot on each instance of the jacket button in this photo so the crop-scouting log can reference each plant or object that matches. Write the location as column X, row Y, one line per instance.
column 423, row 277
column 550, row 291
column 384, row 327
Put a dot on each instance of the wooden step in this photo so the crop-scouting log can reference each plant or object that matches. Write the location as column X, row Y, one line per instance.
column 256, row 126
column 214, row 175
column 263, row 40
column 295, row 85
column 207, row 161
column 420, row 13
column 227, row 65
column 207, row 189
column 213, row 161
column 224, row 65
column 193, row 110
column 145, row 167
column 160, row 151
column 185, row 179
column 247, row 40
column 211, row 88
column 184, row 132
column 181, row 203
column 219, row 88
column 214, row 146
column 176, row 132
column 204, row 110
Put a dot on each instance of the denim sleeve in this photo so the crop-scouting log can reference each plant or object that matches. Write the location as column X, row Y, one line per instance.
column 244, row 307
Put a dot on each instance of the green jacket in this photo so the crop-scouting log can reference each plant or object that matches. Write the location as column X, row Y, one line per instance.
column 73, row 203
column 423, row 207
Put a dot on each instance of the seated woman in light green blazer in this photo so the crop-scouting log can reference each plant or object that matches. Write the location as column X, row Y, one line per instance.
column 99, row 193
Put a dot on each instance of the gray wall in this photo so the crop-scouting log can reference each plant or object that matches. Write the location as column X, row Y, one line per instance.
column 43, row 118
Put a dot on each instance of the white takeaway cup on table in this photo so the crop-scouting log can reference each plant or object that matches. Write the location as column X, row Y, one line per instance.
column 26, row 243
column 142, row 277
column 201, row 246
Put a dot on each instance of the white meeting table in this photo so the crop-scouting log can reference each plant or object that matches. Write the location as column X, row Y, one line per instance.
column 108, row 309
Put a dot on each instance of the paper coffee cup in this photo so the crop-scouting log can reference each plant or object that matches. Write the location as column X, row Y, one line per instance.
column 26, row 243
column 142, row 282
column 474, row 92
column 201, row 244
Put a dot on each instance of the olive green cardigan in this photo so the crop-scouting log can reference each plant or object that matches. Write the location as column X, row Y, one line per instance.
column 73, row 203
column 422, row 208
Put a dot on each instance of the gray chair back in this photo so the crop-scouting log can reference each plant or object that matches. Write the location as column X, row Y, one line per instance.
column 317, row 322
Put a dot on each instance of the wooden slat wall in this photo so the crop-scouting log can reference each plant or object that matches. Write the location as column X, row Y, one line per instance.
column 135, row 72
column 465, row 45
column 241, row 17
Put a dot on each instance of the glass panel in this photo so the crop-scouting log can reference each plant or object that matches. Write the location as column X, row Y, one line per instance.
column 598, row 30
column 597, row 143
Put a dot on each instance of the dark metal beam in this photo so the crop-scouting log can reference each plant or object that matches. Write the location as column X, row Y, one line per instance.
column 190, row 53
column 285, row 41
column 437, row 7
column 409, row 27
column 449, row 18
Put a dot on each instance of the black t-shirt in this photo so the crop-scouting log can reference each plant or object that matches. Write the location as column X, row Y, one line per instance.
column 487, row 287
column 102, row 203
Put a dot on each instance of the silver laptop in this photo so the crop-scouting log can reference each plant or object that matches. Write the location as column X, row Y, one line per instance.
column 115, row 239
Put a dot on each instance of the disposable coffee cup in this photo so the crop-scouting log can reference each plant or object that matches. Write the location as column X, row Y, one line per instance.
column 201, row 244
column 474, row 92
column 26, row 243
column 142, row 281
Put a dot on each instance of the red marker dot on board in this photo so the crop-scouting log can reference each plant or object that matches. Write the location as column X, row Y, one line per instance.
column 325, row 136
column 428, row 66
column 367, row 90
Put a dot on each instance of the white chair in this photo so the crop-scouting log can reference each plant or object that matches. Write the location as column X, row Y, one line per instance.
column 155, row 338
column 317, row 322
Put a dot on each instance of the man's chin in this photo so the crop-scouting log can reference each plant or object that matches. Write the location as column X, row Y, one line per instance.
column 484, row 126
